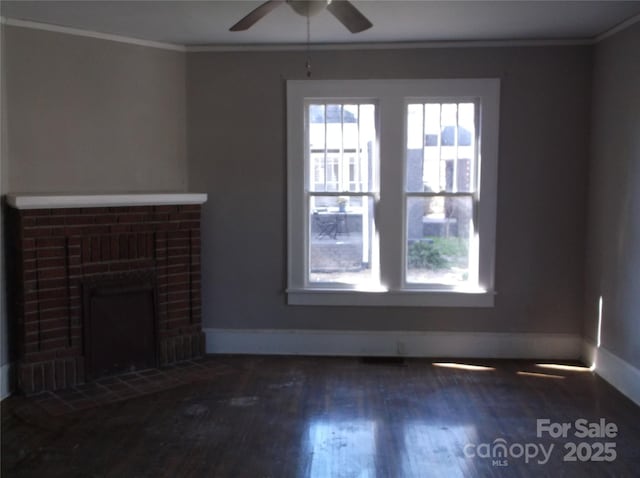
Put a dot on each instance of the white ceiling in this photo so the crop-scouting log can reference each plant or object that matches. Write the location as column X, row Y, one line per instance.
column 207, row 22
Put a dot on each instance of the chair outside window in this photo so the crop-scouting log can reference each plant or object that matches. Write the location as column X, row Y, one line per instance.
column 325, row 226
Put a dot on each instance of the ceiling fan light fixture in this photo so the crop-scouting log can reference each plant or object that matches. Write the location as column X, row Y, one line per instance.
column 308, row 8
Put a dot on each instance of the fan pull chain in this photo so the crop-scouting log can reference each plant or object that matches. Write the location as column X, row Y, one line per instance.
column 308, row 64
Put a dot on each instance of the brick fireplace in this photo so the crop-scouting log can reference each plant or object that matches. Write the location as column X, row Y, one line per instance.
column 63, row 249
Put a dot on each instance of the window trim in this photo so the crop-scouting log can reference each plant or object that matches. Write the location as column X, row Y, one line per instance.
column 391, row 97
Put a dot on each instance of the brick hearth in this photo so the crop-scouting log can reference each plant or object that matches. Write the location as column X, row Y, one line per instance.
column 53, row 251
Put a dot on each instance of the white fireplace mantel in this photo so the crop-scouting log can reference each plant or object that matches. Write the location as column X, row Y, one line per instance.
column 62, row 201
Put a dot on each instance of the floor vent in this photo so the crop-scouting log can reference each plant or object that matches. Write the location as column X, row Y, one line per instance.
column 397, row 361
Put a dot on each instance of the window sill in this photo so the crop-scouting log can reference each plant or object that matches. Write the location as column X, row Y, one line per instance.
column 404, row 298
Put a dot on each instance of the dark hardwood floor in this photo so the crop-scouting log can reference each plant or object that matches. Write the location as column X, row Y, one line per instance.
column 279, row 417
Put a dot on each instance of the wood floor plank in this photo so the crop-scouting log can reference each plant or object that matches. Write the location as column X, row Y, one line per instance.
column 319, row 417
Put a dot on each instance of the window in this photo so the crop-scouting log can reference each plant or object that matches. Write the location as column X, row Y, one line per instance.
column 392, row 192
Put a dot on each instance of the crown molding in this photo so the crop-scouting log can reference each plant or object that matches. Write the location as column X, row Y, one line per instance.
column 618, row 28
column 389, row 45
column 90, row 34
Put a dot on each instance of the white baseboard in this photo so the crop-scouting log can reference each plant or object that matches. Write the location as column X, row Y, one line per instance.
column 618, row 372
column 394, row 343
column 5, row 380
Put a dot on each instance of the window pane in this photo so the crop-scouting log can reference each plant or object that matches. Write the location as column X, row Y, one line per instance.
column 340, row 239
column 341, row 139
column 438, row 233
column 441, row 147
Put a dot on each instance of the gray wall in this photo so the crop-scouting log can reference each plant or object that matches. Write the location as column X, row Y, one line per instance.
column 88, row 115
column 613, row 252
column 237, row 154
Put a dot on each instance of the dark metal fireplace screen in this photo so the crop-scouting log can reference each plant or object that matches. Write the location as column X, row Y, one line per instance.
column 120, row 324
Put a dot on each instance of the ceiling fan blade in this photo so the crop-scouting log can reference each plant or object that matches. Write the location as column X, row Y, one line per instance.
column 349, row 16
column 256, row 15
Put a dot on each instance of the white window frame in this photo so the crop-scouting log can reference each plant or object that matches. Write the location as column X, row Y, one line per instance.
column 391, row 98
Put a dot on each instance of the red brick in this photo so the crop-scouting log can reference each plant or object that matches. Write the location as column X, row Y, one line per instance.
column 105, row 248
column 35, row 212
column 114, row 247
column 28, row 244
column 143, row 227
column 95, row 210
column 190, row 208
column 160, row 217
column 165, row 209
column 53, row 324
column 66, row 211
column 178, row 251
column 167, row 226
column 118, row 210
column 46, row 253
column 133, row 247
column 31, row 254
column 74, row 230
column 51, row 303
column 54, row 343
column 123, row 246
column 95, row 268
column 95, row 249
column 185, row 216
column 60, row 293
column 49, row 221
column 31, row 348
column 86, row 249
column 40, row 336
column 119, row 228
column 52, row 262
column 178, row 269
column 120, row 266
column 29, row 275
column 142, row 245
column 133, row 218
column 95, row 230
column 78, row 220
column 191, row 225
column 179, row 306
column 149, row 245
column 178, row 235
column 69, row 352
column 173, row 315
column 52, row 273
column 40, row 356
column 105, row 219
column 37, row 232
column 59, row 313
column 52, row 284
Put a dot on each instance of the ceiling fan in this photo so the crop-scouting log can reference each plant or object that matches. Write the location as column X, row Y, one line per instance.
column 343, row 10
